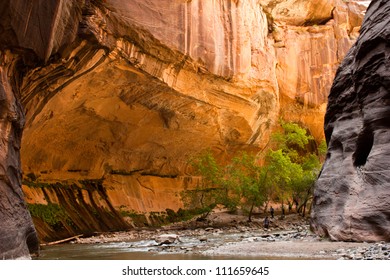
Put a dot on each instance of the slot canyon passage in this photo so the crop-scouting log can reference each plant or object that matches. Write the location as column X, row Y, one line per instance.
column 113, row 98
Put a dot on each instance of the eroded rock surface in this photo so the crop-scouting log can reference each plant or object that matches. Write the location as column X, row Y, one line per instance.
column 352, row 195
column 17, row 234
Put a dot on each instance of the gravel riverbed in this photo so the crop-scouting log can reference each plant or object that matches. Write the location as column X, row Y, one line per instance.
column 289, row 238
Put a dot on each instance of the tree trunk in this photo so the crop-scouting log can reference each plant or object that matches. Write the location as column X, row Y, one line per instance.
column 250, row 212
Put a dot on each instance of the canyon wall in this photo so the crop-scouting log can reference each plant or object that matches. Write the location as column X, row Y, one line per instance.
column 352, row 194
column 118, row 95
column 29, row 32
column 17, row 234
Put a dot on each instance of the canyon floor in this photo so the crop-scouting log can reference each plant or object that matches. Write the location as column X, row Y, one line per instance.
column 229, row 236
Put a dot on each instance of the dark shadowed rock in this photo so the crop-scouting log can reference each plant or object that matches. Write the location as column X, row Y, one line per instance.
column 17, row 233
column 41, row 26
column 352, row 194
column 29, row 32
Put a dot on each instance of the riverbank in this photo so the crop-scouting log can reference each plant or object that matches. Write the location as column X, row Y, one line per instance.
column 224, row 235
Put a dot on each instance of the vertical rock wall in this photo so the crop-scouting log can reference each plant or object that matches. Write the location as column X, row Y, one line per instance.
column 352, row 194
column 225, row 36
column 30, row 31
column 17, row 234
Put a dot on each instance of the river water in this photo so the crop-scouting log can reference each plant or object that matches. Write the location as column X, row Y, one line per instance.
column 188, row 248
column 117, row 251
column 107, row 251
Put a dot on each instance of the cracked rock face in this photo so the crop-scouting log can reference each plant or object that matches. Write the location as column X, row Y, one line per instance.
column 352, row 194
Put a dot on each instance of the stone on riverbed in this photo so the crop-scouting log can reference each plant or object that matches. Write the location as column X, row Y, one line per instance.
column 166, row 239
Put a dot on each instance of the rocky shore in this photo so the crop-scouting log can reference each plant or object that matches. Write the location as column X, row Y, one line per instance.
column 230, row 236
column 376, row 251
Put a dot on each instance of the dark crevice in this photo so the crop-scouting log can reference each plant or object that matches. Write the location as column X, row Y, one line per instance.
column 317, row 22
column 364, row 145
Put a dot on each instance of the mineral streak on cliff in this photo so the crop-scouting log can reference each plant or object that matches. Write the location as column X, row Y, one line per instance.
column 352, row 195
column 124, row 92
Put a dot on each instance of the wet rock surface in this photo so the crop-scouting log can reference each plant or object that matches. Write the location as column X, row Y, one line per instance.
column 352, row 194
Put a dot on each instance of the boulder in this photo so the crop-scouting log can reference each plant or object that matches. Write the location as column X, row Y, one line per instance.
column 352, row 194
column 166, row 239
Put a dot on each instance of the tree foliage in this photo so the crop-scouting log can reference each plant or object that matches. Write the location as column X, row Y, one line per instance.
column 208, row 191
column 294, row 167
column 287, row 174
column 284, row 174
column 248, row 181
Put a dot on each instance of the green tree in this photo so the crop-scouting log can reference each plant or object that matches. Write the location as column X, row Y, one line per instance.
column 288, row 174
column 284, row 174
column 211, row 189
column 298, row 166
column 293, row 167
column 247, row 181
column 303, row 188
column 292, row 140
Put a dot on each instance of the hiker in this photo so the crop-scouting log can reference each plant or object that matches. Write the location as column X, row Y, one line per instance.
column 271, row 210
column 266, row 223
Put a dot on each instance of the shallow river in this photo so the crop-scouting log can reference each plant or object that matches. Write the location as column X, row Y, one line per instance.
column 107, row 251
column 116, row 251
column 187, row 249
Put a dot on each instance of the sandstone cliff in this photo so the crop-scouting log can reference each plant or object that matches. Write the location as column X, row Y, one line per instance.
column 119, row 94
column 352, row 195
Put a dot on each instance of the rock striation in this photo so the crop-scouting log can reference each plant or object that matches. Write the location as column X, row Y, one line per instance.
column 117, row 95
column 352, row 194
